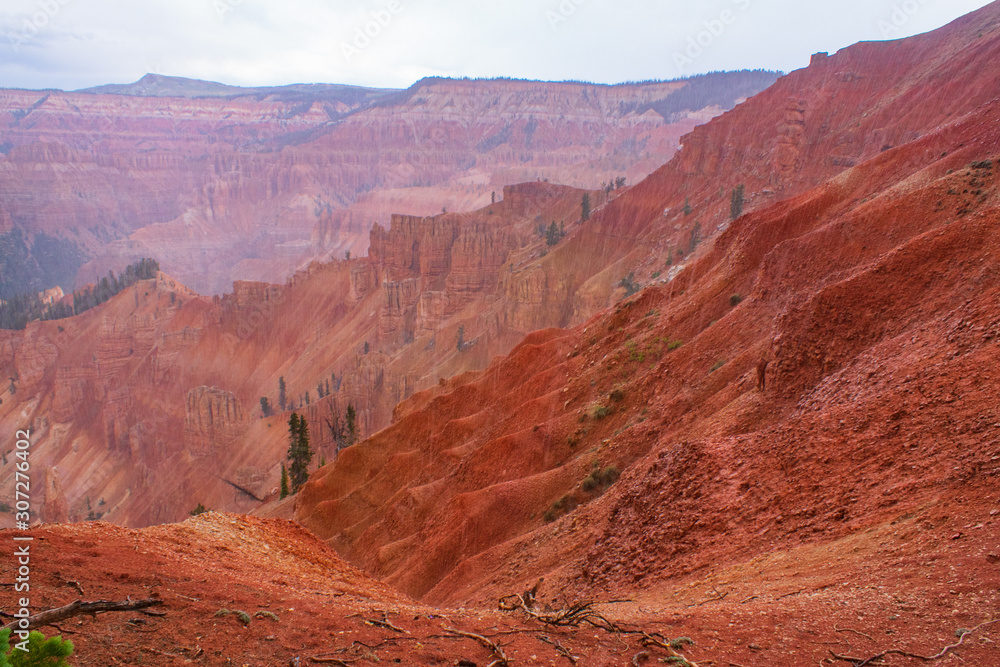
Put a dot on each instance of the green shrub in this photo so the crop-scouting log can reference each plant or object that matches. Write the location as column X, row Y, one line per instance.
column 242, row 615
column 41, row 652
column 600, row 479
column 717, row 366
column 617, row 395
column 735, row 300
column 674, row 345
column 600, row 412
column 200, row 509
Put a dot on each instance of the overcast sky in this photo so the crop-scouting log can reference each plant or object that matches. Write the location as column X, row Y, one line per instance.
column 72, row 44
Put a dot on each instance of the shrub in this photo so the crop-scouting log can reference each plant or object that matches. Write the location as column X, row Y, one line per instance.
column 735, row 300
column 200, row 509
column 600, row 412
column 41, row 652
column 600, row 479
column 242, row 615
column 719, row 364
column 617, row 395
column 674, row 345
column 564, row 505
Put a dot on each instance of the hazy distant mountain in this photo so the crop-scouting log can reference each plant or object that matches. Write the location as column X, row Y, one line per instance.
column 157, row 85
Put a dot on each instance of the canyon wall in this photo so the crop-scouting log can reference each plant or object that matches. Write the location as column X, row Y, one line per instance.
column 253, row 186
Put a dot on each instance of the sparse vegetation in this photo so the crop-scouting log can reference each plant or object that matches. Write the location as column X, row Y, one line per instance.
column 674, row 345
column 735, row 300
column 200, row 509
column 695, row 238
column 630, row 285
column 719, row 364
column 617, row 395
column 19, row 309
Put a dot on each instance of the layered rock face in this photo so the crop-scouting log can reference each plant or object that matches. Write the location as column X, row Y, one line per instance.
column 254, row 186
column 213, row 418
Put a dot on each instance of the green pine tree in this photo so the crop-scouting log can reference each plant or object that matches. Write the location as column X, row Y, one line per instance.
column 284, row 481
column 585, row 207
column 282, row 398
column 352, row 425
column 41, row 652
column 736, row 202
column 552, row 236
column 299, row 454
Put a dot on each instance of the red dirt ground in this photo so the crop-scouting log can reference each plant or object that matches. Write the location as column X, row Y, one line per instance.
column 908, row 584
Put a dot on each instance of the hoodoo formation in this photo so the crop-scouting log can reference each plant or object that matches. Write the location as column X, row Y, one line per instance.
column 740, row 412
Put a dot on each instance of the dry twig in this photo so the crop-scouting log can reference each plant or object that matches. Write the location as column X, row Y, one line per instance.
column 562, row 650
column 502, row 659
column 861, row 662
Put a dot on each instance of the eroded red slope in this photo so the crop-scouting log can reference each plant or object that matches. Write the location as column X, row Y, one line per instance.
column 874, row 298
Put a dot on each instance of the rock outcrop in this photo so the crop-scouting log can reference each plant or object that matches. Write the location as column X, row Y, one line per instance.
column 213, row 418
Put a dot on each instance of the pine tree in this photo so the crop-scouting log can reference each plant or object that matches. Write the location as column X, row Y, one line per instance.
column 552, row 236
column 585, row 207
column 282, row 398
column 319, row 389
column 40, row 651
column 460, row 338
column 736, row 202
column 307, row 398
column 352, row 425
column 265, row 407
column 284, row 481
column 299, row 453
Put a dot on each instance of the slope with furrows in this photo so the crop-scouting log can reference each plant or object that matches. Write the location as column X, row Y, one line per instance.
column 872, row 300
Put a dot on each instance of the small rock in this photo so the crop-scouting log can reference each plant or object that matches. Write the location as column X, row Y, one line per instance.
column 956, row 536
column 993, row 558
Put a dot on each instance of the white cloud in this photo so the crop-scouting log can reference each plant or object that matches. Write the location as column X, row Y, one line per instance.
column 77, row 43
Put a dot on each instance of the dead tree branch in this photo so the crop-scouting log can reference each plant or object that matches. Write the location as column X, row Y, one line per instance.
column 860, row 662
column 77, row 608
